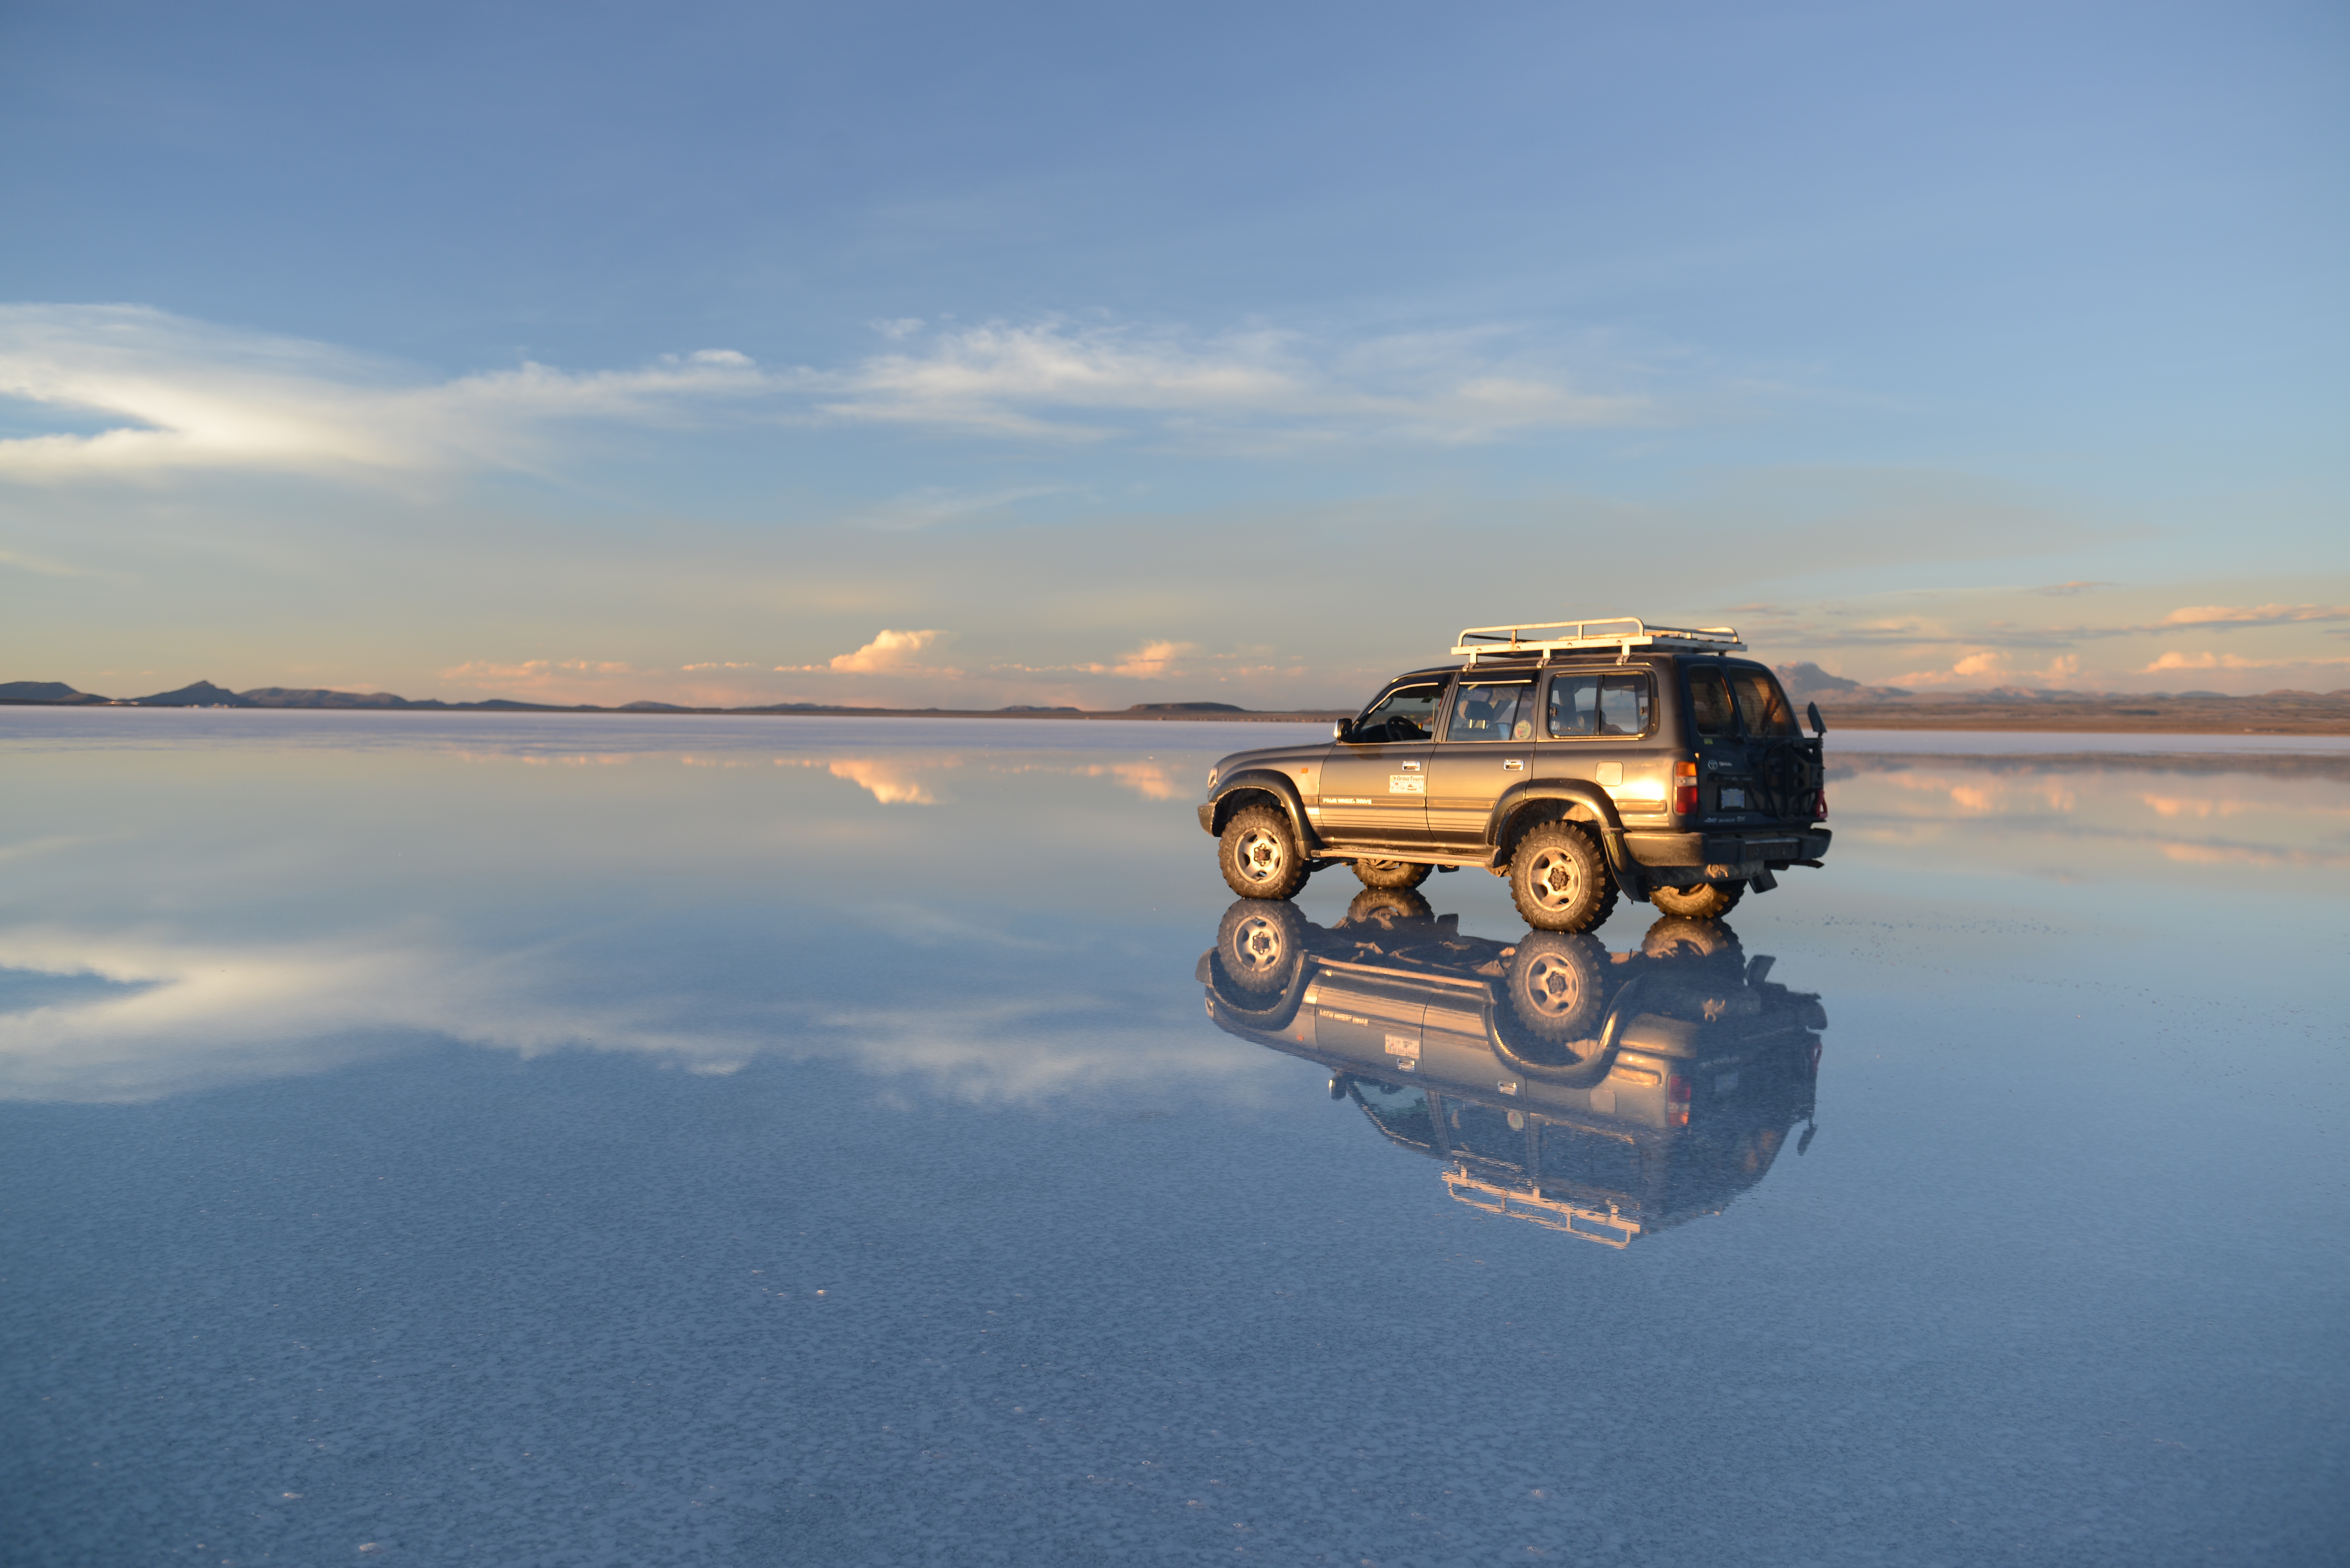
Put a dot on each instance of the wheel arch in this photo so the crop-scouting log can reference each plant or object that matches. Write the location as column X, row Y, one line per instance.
column 1550, row 800
column 1261, row 786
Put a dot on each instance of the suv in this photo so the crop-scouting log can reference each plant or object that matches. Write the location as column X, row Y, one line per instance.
column 1604, row 1095
column 1578, row 759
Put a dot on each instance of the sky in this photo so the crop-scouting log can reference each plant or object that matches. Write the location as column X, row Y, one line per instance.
column 1103, row 354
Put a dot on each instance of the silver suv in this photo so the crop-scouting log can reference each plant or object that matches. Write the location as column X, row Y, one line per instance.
column 1577, row 759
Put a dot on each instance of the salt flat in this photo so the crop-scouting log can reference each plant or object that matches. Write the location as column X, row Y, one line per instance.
column 468, row 1139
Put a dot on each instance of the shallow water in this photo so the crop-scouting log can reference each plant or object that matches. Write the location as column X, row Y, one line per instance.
column 471, row 1138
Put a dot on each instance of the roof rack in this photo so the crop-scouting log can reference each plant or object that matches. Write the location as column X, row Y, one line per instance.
column 1622, row 632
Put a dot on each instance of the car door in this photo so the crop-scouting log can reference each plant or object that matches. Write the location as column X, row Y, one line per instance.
column 1489, row 737
column 1375, row 784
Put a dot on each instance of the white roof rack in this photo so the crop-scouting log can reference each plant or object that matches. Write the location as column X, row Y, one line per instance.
column 1622, row 632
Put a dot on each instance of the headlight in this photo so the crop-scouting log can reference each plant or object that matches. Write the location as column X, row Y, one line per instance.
column 1211, row 776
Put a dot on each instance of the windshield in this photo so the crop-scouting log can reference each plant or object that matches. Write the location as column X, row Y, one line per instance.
column 1405, row 713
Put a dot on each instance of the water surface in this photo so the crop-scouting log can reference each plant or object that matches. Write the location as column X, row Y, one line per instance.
column 470, row 1138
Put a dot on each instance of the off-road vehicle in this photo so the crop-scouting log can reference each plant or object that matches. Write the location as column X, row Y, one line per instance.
column 1578, row 759
column 1604, row 1095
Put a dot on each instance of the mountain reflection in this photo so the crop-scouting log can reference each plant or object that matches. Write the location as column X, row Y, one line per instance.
column 1606, row 1094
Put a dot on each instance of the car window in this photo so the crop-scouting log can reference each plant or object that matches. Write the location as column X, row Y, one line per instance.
column 1485, row 1132
column 1613, row 704
column 1402, row 1113
column 1405, row 713
column 1761, row 704
column 1709, row 706
column 1492, row 711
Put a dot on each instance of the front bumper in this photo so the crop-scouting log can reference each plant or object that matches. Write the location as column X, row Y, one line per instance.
column 1208, row 817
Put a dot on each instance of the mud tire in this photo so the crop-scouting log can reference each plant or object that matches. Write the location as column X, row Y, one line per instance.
column 1392, row 873
column 1388, row 909
column 1560, row 881
column 1259, row 856
column 1261, row 944
column 1709, row 901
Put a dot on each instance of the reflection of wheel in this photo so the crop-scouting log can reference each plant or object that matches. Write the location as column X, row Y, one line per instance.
column 1557, row 984
column 1258, row 854
column 1392, row 873
column 1676, row 937
column 1262, row 943
column 1559, row 879
column 1388, row 908
column 1554, row 1000
column 1707, row 901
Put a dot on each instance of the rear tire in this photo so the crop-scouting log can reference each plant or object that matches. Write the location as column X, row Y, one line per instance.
column 1709, row 901
column 1259, row 856
column 1392, row 873
column 1559, row 879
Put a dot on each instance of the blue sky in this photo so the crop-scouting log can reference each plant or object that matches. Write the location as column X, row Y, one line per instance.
column 1110, row 354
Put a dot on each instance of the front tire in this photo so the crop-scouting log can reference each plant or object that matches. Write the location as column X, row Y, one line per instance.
column 1708, row 901
column 1559, row 879
column 1261, row 945
column 1259, row 856
column 1392, row 873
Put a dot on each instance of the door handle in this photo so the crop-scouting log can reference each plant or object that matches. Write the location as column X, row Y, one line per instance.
column 1408, row 767
column 1513, row 762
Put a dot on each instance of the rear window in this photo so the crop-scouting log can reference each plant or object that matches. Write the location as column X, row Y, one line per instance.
column 1761, row 704
column 1710, row 706
column 1619, row 703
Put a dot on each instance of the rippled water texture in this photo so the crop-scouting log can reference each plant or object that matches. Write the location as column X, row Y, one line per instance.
column 471, row 1140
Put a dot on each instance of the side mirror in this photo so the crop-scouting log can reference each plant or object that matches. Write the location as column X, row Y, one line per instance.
column 1812, row 711
column 1338, row 731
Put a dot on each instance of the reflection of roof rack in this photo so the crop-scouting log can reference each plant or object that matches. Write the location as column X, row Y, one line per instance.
column 1623, row 632
column 1610, row 1228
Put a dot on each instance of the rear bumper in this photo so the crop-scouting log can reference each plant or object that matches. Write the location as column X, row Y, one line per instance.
column 1721, row 856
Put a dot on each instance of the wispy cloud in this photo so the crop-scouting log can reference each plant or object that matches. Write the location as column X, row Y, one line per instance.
column 187, row 394
column 2223, row 618
column 173, row 394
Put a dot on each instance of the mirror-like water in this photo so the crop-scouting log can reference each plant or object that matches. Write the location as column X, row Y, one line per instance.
column 470, row 1139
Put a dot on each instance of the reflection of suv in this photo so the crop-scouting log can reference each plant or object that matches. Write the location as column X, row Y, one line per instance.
column 1576, row 759
column 1606, row 1094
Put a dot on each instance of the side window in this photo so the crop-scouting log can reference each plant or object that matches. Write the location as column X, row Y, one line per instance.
column 1405, row 713
column 1596, row 704
column 1492, row 711
column 1761, row 703
column 1709, row 706
column 1399, row 1112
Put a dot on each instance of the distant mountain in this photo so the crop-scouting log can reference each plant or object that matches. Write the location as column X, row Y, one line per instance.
column 203, row 694
column 1806, row 681
column 318, row 697
column 45, row 691
column 1186, row 707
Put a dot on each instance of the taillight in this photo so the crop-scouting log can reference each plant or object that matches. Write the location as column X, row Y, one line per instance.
column 1677, row 1101
column 1820, row 805
column 1685, row 789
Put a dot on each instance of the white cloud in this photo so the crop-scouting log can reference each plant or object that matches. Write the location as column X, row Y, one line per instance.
column 2229, row 615
column 190, row 395
column 2178, row 660
column 890, row 652
column 1153, row 660
column 174, row 394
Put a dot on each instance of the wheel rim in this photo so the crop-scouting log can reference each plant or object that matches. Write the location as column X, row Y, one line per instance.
column 1259, row 945
column 1555, row 879
column 1261, row 856
column 1554, row 987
